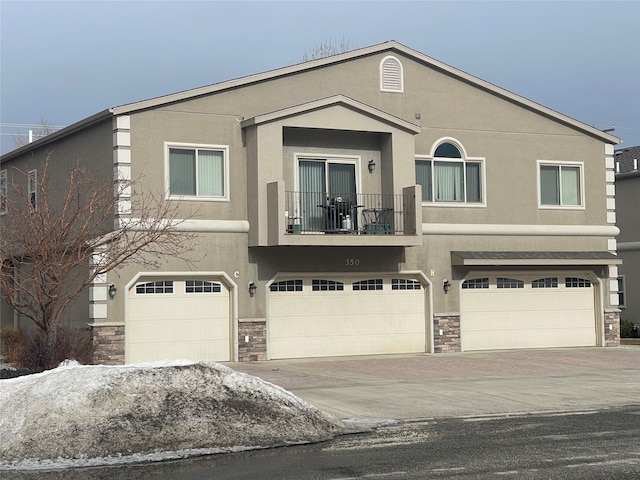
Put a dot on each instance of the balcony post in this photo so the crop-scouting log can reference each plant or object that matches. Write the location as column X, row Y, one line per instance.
column 275, row 212
column 412, row 208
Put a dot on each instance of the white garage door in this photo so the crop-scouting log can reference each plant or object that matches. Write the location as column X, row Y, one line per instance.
column 319, row 317
column 527, row 311
column 178, row 319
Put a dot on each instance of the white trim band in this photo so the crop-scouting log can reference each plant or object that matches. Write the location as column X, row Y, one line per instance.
column 521, row 230
column 206, row 226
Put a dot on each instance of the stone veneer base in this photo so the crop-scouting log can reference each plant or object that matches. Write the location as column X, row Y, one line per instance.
column 255, row 331
column 108, row 342
column 449, row 341
column 612, row 328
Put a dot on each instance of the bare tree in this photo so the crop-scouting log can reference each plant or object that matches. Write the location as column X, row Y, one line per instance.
column 54, row 244
column 326, row 49
column 45, row 128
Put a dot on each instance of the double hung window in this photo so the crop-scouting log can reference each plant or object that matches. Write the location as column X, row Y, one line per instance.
column 560, row 185
column 621, row 295
column 449, row 177
column 198, row 171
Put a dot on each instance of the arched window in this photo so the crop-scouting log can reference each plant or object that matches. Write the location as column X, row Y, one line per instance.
column 447, row 150
column 391, row 75
column 450, row 177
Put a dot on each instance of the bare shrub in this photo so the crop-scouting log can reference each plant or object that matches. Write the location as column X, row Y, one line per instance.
column 70, row 343
column 12, row 340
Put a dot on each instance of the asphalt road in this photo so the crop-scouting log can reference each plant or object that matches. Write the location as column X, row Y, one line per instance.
column 584, row 445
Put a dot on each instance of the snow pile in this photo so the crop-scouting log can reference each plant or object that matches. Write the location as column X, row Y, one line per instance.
column 85, row 412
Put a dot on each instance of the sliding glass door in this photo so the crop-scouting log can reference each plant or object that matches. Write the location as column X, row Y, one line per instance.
column 323, row 182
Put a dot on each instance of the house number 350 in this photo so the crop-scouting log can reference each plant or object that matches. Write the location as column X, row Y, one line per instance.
column 352, row 262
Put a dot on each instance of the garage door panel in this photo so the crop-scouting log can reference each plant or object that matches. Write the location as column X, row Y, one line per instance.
column 178, row 325
column 495, row 318
column 345, row 322
column 344, row 345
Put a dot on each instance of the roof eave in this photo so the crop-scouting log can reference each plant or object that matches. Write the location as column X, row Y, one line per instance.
column 255, row 78
column 391, row 45
column 52, row 137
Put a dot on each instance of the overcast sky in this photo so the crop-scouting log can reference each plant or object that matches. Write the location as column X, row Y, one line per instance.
column 64, row 61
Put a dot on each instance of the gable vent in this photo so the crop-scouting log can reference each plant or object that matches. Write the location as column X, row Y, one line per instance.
column 391, row 75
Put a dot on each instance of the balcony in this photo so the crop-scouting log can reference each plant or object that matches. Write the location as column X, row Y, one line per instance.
column 362, row 219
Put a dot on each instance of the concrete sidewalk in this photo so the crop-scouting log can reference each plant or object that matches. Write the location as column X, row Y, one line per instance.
column 406, row 387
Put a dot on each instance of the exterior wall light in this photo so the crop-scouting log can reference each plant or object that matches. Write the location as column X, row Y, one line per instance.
column 112, row 290
column 446, row 285
column 252, row 289
column 371, row 165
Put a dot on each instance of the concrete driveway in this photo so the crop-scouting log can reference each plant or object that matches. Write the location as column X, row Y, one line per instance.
column 406, row 387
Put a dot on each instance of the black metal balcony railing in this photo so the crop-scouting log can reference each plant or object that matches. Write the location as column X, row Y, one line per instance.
column 349, row 213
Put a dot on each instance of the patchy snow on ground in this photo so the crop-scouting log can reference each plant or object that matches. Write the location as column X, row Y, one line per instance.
column 79, row 415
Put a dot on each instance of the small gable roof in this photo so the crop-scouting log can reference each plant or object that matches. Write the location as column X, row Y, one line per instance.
column 341, row 100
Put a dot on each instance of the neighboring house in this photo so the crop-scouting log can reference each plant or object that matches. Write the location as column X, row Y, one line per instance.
column 376, row 201
column 628, row 219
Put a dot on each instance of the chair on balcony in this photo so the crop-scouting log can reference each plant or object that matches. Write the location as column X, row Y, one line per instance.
column 376, row 221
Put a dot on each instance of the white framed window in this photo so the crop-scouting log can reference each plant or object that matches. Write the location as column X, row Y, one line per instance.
column 286, row 286
column 391, row 75
column 158, row 287
column 197, row 171
column 505, row 282
column 621, row 292
column 371, row 284
column 405, row 284
column 576, row 282
column 32, row 187
column 449, row 177
column 476, row 283
column 326, row 285
column 546, row 282
column 202, row 286
column 4, row 191
column 560, row 185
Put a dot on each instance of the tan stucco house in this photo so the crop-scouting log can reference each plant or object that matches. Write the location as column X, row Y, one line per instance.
column 376, row 201
column 628, row 217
